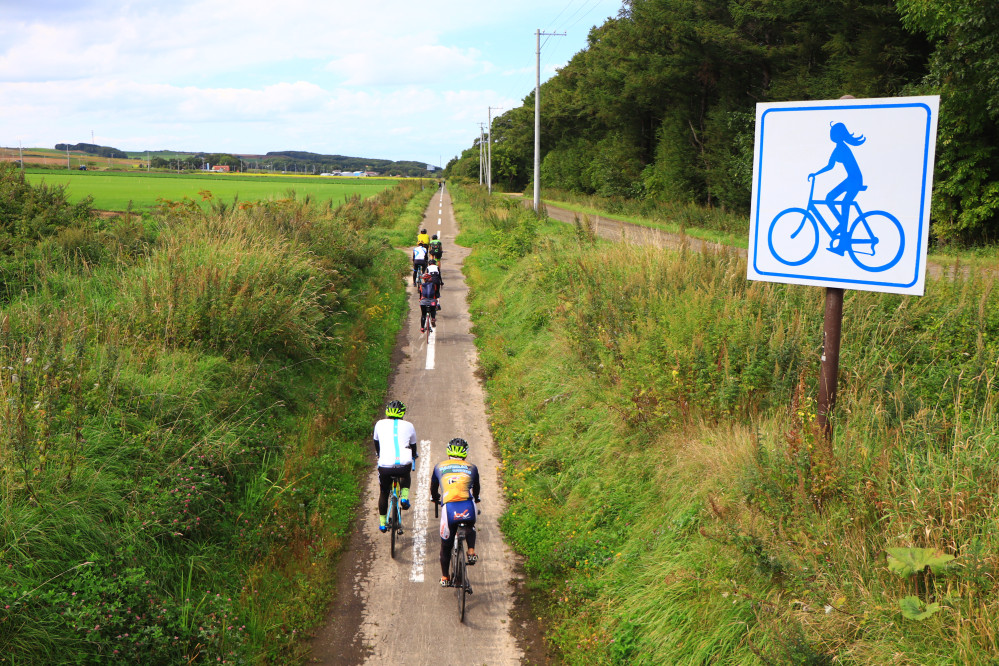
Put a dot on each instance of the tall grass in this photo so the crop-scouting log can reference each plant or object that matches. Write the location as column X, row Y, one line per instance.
column 182, row 406
column 669, row 490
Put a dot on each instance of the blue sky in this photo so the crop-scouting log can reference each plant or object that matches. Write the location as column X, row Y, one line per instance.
column 388, row 79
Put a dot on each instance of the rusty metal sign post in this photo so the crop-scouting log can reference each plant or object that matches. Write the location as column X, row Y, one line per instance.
column 829, row 374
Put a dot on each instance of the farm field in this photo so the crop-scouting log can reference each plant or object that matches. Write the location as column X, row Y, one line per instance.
column 114, row 191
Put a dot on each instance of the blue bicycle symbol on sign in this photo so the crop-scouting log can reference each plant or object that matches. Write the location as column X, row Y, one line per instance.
column 874, row 240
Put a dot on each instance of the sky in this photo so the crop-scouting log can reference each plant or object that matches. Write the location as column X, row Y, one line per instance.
column 386, row 79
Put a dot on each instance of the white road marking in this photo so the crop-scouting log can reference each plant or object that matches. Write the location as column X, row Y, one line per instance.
column 421, row 513
column 431, row 354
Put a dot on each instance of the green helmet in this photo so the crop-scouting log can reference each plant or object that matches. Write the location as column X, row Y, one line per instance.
column 395, row 410
column 457, row 448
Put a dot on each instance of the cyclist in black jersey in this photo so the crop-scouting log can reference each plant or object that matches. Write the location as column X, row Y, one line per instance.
column 436, row 248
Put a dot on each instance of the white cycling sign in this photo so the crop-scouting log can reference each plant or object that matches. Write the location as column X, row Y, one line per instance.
column 841, row 193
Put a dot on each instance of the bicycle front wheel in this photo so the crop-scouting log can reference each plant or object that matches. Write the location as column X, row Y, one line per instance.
column 876, row 241
column 793, row 237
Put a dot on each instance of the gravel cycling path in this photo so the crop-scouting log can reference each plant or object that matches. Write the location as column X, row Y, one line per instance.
column 394, row 610
column 617, row 230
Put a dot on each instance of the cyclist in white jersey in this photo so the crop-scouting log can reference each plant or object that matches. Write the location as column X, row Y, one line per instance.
column 395, row 443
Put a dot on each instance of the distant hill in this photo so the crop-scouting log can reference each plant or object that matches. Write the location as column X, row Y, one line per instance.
column 93, row 149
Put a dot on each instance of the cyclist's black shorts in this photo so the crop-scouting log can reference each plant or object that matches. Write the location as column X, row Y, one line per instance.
column 401, row 472
column 420, row 262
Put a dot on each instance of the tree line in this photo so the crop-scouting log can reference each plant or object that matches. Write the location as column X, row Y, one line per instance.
column 346, row 163
column 93, row 149
column 290, row 161
column 660, row 106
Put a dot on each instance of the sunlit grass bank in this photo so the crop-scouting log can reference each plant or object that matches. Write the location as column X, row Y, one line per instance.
column 185, row 406
column 674, row 503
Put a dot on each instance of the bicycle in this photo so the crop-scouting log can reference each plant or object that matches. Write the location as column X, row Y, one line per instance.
column 458, row 569
column 430, row 323
column 418, row 271
column 869, row 229
column 393, row 521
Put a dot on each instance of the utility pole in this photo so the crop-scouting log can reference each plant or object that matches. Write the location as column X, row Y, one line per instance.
column 537, row 118
column 482, row 152
column 489, row 147
column 67, row 158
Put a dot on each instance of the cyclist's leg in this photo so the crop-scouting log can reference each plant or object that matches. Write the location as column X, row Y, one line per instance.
column 470, row 537
column 849, row 189
column 447, row 545
column 384, row 488
column 405, row 480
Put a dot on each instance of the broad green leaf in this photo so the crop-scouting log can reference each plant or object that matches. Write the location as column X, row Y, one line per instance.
column 907, row 561
column 913, row 608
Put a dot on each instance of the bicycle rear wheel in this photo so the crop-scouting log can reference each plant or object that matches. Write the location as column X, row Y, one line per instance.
column 876, row 241
column 393, row 526
column 461, row 582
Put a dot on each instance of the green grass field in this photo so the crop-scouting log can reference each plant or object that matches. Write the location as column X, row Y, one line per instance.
column 114, row 191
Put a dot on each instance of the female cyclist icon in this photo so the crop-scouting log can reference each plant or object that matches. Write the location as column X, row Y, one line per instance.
column 851, row 185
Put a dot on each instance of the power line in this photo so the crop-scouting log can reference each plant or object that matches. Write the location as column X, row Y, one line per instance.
column 587, row 13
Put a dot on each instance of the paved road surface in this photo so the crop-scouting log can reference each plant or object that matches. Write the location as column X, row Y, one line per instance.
column 394, row 611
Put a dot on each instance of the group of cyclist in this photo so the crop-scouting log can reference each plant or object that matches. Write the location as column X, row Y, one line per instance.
column 427, row 277
column 454, row 485
column 455, row 482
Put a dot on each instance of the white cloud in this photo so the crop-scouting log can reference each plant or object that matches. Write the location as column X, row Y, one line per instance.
column 389, row 78
column 405, row 61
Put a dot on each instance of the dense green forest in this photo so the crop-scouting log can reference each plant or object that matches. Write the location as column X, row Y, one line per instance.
column 93, row 149
column 661, row 104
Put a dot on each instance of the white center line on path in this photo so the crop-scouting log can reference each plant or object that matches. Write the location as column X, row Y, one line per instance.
column 421, row 513
column 430, row 349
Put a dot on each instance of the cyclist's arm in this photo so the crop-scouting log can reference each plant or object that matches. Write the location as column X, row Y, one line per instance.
column 435, row 487
column 832, row 163
column 475, row 483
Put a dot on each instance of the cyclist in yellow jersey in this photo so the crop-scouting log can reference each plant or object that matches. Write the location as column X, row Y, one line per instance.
column 458, row 482
column 423, row 238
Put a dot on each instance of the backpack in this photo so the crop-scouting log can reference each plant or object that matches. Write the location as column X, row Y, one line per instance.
column 435, row 247
column 427, row 289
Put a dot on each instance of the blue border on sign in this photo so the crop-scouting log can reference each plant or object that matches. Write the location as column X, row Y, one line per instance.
column 922, row 198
